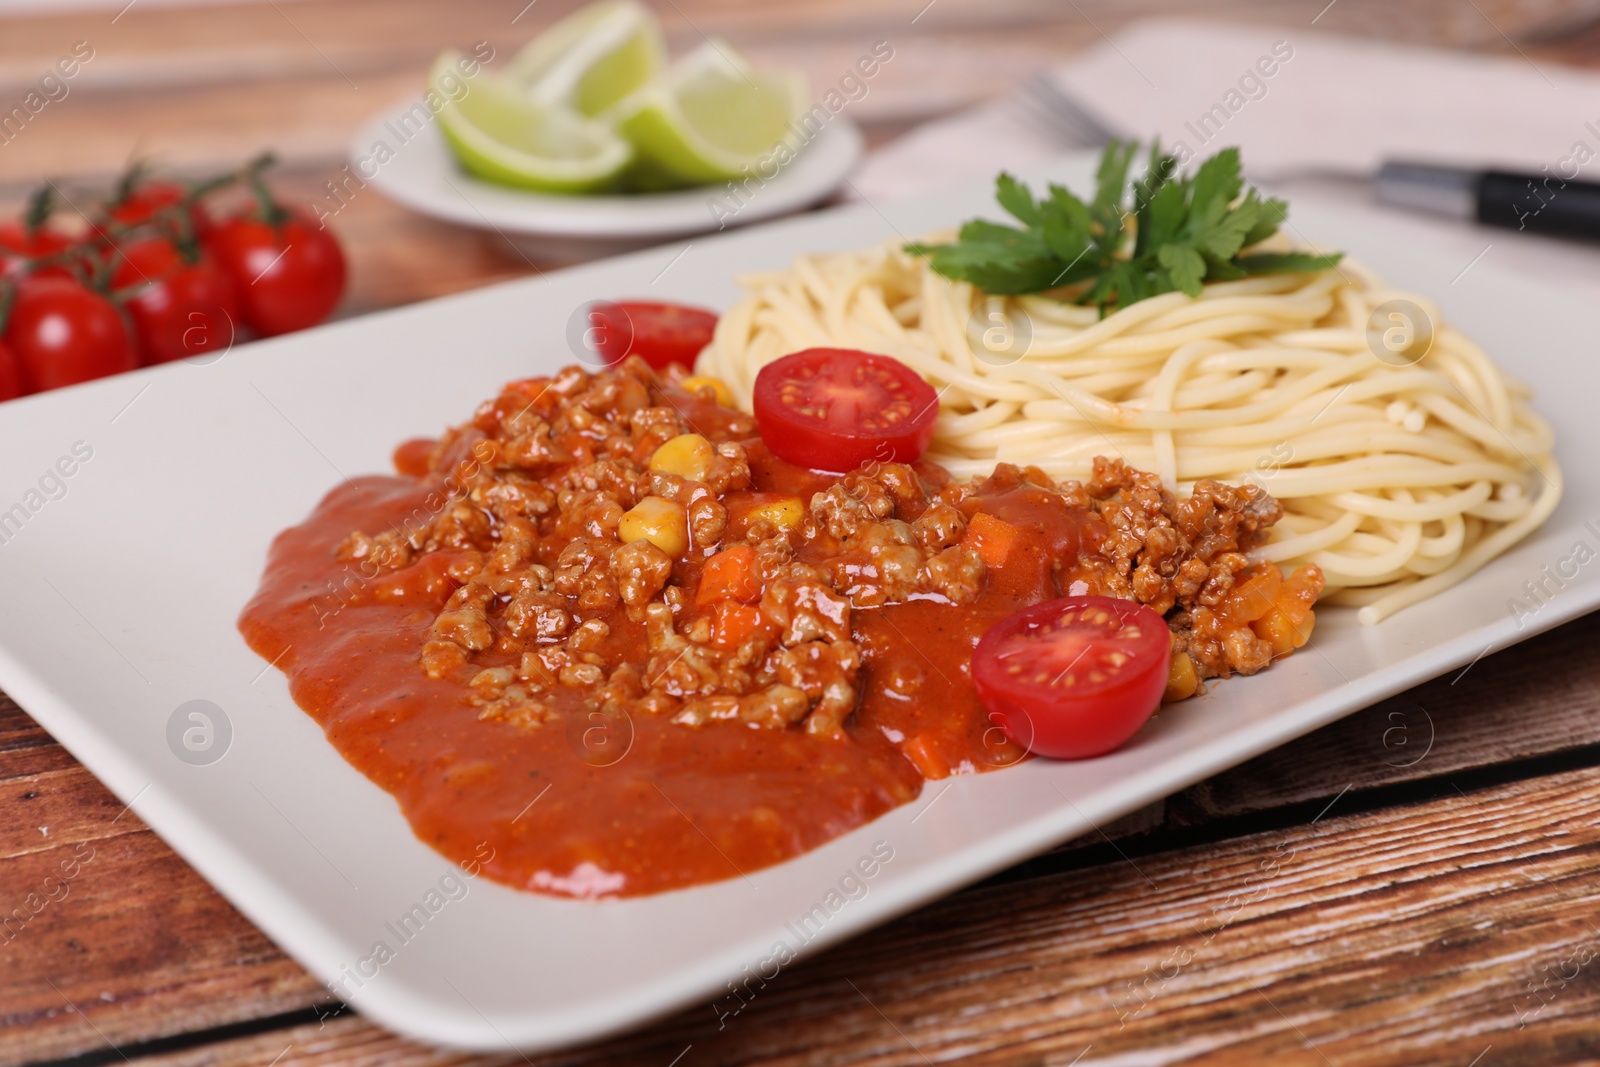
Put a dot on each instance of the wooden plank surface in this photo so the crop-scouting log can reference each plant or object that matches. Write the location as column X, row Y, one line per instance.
column 1402, row 927
column 185, row 961
column 1422, row 933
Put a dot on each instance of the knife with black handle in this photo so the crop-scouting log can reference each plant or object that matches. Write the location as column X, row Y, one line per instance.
column 1532, row 203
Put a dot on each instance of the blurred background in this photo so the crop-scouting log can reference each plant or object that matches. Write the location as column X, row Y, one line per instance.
column 200, row 86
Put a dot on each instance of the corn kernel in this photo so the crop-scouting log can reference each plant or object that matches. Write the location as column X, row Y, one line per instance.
column 659, row 521
column 785, row 514
column 1281, row 633
column 696, row 382
column 1182, row 680
column 688, row 456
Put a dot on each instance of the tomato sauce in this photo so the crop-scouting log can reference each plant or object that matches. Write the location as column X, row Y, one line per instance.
column 636, row 805
column 535, row 679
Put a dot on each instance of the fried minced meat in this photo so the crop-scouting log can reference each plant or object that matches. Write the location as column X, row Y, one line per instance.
column 579, row 554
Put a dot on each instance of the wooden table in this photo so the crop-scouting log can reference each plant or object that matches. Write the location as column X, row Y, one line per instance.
column 1416, row 884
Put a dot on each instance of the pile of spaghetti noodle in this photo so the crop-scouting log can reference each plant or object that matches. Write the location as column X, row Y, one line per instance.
column 1404, row 459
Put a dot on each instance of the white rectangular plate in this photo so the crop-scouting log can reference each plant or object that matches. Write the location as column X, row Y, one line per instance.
column 123, row 584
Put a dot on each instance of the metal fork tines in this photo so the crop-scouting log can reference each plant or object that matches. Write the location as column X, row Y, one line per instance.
column 1051, row 110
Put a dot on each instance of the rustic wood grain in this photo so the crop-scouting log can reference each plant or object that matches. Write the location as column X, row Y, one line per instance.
column 135, row 942
column 1520, row 708
column 181, row 959
column 1418, row 934
column 199, row 91
column 204, row 89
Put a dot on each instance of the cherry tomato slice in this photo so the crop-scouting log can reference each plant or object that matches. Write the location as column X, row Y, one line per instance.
column 659, row 334
column 179, row 309
column 63, row 334
column 1074, row 677
column 834, row 409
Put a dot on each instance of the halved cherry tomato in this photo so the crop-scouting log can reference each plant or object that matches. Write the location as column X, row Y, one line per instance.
column 288, row 274
column 10, row 374
column 1074, row 677
column 179, row 308
column 63, row 334
column 659, row 334
column 834, row 409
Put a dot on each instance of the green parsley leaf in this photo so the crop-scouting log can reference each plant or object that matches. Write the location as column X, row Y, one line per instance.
column 1285, row 262
column 1017, row 199
column 997, row 259
column 1184, row 232
column 1184, row 266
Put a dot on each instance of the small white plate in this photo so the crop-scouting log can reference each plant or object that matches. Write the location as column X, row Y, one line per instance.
column 423, row 174
column 123, row 580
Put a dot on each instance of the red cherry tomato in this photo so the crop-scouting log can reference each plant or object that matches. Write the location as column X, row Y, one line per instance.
column 1075, row 677
column 18, row 244
column 149, row 199
column 660, row 334
column 10, row 374
column 287, row 276
column 834, row 409
column 179, row 309
column 63, row 334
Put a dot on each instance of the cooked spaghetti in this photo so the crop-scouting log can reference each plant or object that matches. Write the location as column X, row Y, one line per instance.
column 1400, row 475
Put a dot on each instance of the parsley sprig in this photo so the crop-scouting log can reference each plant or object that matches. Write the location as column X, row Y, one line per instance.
column 1181, row 232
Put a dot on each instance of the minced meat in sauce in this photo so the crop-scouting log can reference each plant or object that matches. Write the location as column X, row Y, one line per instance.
column 603, row 631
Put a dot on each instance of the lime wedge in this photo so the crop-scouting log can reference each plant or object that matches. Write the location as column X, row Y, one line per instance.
column 500, row 135
column 593, row 57
column 712, row 115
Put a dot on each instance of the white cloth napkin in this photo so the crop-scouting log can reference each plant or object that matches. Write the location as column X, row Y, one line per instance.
column 1297, row 102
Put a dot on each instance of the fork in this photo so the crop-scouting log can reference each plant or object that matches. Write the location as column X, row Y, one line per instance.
column 1050, row 110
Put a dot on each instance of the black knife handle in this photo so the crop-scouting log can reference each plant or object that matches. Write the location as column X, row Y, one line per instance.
column 1539, row 203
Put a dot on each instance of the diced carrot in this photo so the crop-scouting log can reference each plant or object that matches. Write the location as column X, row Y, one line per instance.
column 1288, row 625
column 733, row 623
column 927, row 761
column 1255, row 595
column 530, row 392
column 729, row 575
column 992, row 538
column 415, row 457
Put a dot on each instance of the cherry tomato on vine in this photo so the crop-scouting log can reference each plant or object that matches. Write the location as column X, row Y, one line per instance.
column 63, row 333
column 287, row 275
column 660, row 334
column 1074, row 677
column 10, row 374
column 146, row 200
column 179, row 308
column 20, row 243
column 834, row 409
